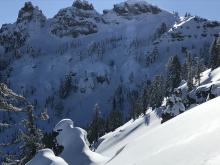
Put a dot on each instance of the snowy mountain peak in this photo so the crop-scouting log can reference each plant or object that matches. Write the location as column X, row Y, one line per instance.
column 82, row 4
column 30, row 13
column 132, row 7
column 79, row 19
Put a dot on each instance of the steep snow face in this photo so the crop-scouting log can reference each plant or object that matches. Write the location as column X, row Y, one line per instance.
column 76, row 150
column 46, row 157
column 113, row 143
column 191, row 138
column 191, row 33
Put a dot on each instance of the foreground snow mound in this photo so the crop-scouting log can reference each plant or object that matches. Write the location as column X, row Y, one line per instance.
column 46, row 157
column 76, row 150
column 191, row 138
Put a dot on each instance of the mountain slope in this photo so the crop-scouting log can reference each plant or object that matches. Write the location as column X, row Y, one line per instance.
column 190, row 138
column 79, row 58
column 99, row 64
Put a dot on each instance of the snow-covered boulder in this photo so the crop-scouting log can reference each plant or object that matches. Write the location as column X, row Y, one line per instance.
column 79, row 19
column 74, row 141
column 46, row 157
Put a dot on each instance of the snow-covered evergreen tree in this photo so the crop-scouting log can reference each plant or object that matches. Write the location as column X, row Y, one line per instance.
column 174, row 106
column 30, row 137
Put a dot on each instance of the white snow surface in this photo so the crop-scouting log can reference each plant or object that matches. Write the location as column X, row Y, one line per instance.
column 46, row 157
column 191, row 138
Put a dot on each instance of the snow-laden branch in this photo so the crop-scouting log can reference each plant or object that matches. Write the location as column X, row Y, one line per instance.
column 4, row 106
column 5, row 91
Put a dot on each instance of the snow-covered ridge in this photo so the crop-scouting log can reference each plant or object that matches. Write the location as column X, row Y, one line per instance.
column 79, row 19
column 132, row 7
column 84, row 5
column 190, row 138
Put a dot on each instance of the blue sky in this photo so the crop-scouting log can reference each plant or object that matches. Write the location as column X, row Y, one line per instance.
column 205, row 8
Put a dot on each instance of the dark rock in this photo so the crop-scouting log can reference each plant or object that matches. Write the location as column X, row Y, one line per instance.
column 73, row 22
column 84, row 5
column 125, row 9
column 30, row 13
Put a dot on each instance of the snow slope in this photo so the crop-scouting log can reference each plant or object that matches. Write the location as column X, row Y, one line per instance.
column 191, row 138
column 112, row 142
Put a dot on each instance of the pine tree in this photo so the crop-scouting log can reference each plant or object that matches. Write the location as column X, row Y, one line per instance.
column 157, row 91
column 199, row 68
column 215, row 54
column 30, row 137
column 67, row 85
column 146, row 96
column 153, row 56
column 161, row 30
column 136, row 104
column 97, row 126
column 115, row 118
column 189, row 71
column 173, row 78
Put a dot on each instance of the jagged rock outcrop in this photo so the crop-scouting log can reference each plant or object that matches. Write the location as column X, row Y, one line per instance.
column 30, row 13
column 130, row 8
column 13, row 36
column 79, row 19
column 84, row 5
